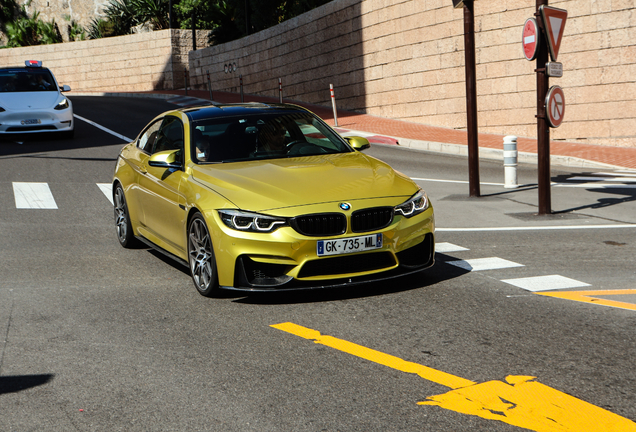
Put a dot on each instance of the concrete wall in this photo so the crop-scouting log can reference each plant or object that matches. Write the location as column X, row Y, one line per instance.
column 141, row 62
column 404, row 59
column 400, row 59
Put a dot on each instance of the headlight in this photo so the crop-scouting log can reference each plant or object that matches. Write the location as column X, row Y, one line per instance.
column 62, row 105
column 415, row 205
column 251, row 222
column 1, row 109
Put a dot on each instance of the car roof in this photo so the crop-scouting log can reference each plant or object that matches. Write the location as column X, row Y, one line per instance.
column 23, row 68
column 231, row 110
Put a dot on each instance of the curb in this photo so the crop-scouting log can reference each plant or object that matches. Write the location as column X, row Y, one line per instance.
column 490, row 153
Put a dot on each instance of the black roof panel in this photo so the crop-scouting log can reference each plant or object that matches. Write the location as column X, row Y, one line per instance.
column 231, row 110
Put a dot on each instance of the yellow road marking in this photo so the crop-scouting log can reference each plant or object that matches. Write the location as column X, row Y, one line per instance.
column 588, row 297
column 425, row 372
column 520, row 401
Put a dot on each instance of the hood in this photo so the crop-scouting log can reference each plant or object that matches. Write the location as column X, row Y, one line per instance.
column 20, row 101
column 279, row 183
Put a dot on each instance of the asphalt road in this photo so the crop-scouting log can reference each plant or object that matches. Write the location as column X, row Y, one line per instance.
column 94, row 337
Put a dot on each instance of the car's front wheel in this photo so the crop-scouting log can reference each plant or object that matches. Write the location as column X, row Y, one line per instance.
column 122, row 220
column 201, row 257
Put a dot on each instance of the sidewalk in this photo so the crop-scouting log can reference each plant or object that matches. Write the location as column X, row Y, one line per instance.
column 431, row 138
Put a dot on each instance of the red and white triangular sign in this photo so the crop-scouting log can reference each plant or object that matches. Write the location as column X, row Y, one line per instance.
column 554, row 24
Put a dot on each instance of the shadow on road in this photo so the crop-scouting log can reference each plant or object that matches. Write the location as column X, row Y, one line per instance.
column 16, row 383
column 438, row 273
column 628, row 193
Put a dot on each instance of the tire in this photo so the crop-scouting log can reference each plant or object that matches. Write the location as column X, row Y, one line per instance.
column 201, row 257
column 122, row 220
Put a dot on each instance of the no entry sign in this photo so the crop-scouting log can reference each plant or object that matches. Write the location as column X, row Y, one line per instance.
column 555, row 106
column 530, row 39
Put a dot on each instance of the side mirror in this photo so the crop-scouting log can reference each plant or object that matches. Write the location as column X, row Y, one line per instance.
column 358, row 143
column 165, row 159
column 65, row 88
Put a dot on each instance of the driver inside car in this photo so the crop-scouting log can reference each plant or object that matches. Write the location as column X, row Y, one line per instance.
column 271, row 137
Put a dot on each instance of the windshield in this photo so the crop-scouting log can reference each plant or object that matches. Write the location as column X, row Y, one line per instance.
column 26, row 80
column 263, row 136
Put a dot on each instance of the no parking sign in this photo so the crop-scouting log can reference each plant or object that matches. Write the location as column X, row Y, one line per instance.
column 555, row 106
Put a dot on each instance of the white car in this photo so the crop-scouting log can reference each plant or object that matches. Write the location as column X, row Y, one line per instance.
column 31, row 101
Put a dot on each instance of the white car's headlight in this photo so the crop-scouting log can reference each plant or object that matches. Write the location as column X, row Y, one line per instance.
column 251, row 222
column 413, row 206
column 63, row 104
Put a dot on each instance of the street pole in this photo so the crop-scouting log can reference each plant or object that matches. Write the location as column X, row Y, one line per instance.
column 543, row 129
column 471, row 98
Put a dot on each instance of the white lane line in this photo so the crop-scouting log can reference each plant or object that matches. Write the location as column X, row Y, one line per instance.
column 481, row 264
column 33, row 195
column 608, row 178
column 453, row 181
column 575, row 185
column 98, row 126
column 596, row 185
column 448, row 247
column 107, row 189
column 535, row 228
column 545, row 283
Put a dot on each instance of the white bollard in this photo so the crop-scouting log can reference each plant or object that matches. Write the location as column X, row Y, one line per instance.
column 510, row 162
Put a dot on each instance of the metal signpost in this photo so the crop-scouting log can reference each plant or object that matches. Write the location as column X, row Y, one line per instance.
column 471, row 94
column 550, row 102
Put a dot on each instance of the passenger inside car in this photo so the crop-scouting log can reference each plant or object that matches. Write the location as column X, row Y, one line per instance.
column 202, row 146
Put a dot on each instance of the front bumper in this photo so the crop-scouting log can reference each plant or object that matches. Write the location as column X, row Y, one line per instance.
column 20, row 122
column 285, row 260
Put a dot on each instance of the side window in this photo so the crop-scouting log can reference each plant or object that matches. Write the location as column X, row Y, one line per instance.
column 170, row 136
column 148, row 138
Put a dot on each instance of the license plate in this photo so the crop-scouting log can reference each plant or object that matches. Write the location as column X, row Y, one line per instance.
column 31, row 121
column 349, row 245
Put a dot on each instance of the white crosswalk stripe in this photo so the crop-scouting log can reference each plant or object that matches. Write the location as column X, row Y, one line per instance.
column 481, row 264
column 448, row 247
column 545, row 283
column 33, row 196
column 534, row 284
column 107, row 188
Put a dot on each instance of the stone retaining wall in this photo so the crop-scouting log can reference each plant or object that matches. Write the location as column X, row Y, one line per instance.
column 401, row 59
column 140, row 62
column 404, row 59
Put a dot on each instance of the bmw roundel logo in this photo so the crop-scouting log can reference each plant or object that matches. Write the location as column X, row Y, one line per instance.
column 345, row 206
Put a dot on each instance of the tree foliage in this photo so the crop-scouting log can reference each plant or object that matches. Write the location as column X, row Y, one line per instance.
column 9, row 10
column 226, row 19
column 31, row 30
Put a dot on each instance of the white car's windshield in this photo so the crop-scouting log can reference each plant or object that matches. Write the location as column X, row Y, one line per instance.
column 26, row 80
column 263, row 136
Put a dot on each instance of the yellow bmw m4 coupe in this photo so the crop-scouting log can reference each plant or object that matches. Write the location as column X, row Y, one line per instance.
column 257, row 197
